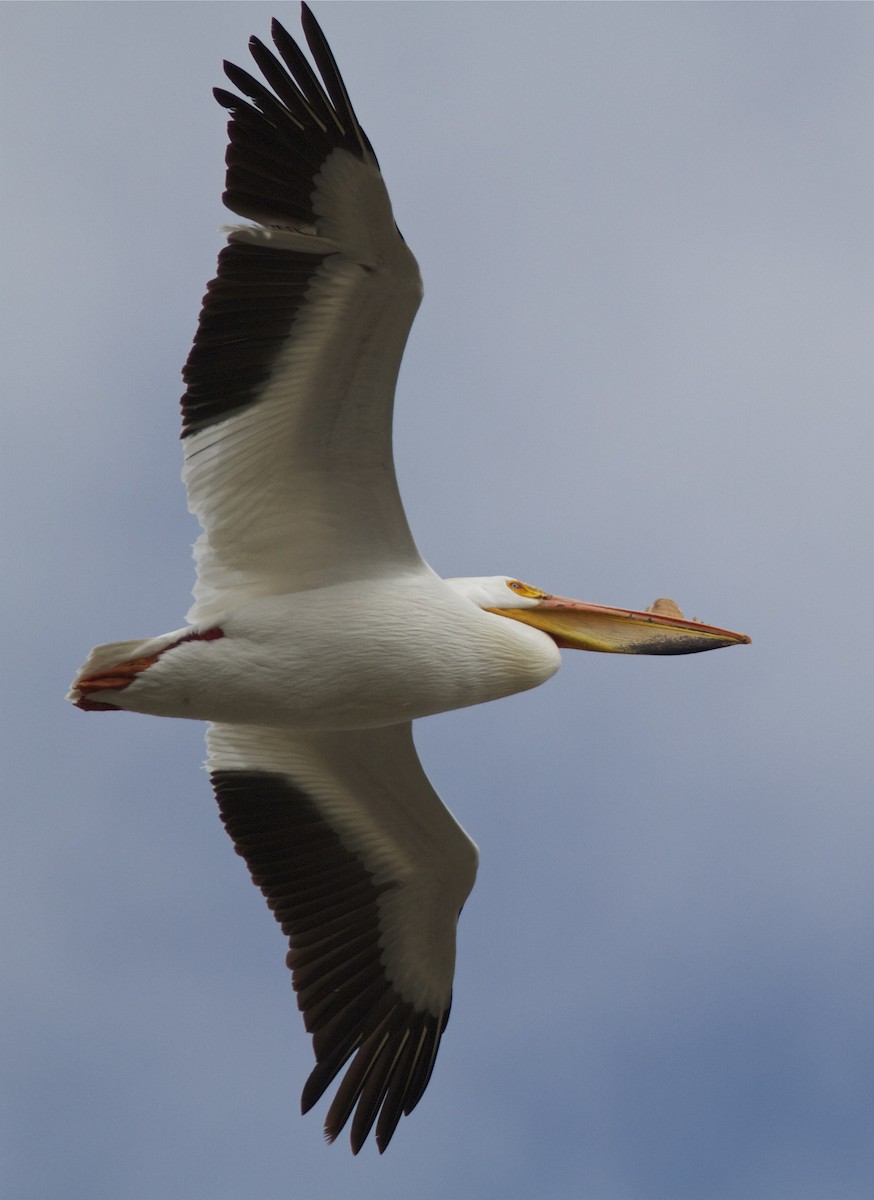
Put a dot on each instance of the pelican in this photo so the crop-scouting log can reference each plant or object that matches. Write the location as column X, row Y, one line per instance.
column 318, row 634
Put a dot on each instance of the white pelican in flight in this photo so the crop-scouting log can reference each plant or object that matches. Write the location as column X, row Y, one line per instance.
column 318, row 633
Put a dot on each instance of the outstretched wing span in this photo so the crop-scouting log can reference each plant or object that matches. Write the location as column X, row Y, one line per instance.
column 290, row 381
column 366, row 871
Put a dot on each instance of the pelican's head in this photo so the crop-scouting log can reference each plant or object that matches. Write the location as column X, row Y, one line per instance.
column 576, row 625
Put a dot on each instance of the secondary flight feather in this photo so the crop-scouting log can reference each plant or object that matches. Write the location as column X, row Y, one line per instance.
column 318, row 633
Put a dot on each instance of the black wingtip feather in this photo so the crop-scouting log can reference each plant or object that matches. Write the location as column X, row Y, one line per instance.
column 330, row 72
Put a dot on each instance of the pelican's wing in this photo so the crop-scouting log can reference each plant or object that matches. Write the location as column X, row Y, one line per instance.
column 291, row 378
column 366, row 871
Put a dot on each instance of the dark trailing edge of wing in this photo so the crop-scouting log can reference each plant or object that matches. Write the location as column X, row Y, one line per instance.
column 278, row 142
column 247, row 314
column 327, row 904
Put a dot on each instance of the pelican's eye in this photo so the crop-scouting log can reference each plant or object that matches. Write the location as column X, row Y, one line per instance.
column 525, row 589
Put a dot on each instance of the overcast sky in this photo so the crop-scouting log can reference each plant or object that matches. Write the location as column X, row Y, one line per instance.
column 643, row 367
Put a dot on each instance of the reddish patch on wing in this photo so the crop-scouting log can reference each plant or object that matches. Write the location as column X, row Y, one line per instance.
column 122, row 675
column 208, row 635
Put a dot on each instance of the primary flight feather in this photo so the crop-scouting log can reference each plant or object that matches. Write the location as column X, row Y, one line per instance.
column 318, row 633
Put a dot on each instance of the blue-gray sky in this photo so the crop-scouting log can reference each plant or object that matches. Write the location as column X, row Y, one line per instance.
column 643, row 367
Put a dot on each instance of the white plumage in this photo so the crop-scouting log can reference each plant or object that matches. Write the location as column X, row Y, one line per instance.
column 318, row 633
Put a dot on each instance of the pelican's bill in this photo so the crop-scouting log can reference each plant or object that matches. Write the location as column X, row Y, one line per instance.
column 576, row 625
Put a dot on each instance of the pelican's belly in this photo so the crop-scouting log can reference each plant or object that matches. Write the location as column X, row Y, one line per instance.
column 347, row 657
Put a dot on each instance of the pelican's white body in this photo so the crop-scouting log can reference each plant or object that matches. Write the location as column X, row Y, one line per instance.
column 352, row 656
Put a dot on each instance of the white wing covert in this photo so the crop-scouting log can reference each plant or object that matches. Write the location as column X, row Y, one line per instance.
column 366, row 871
column 291, row 378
